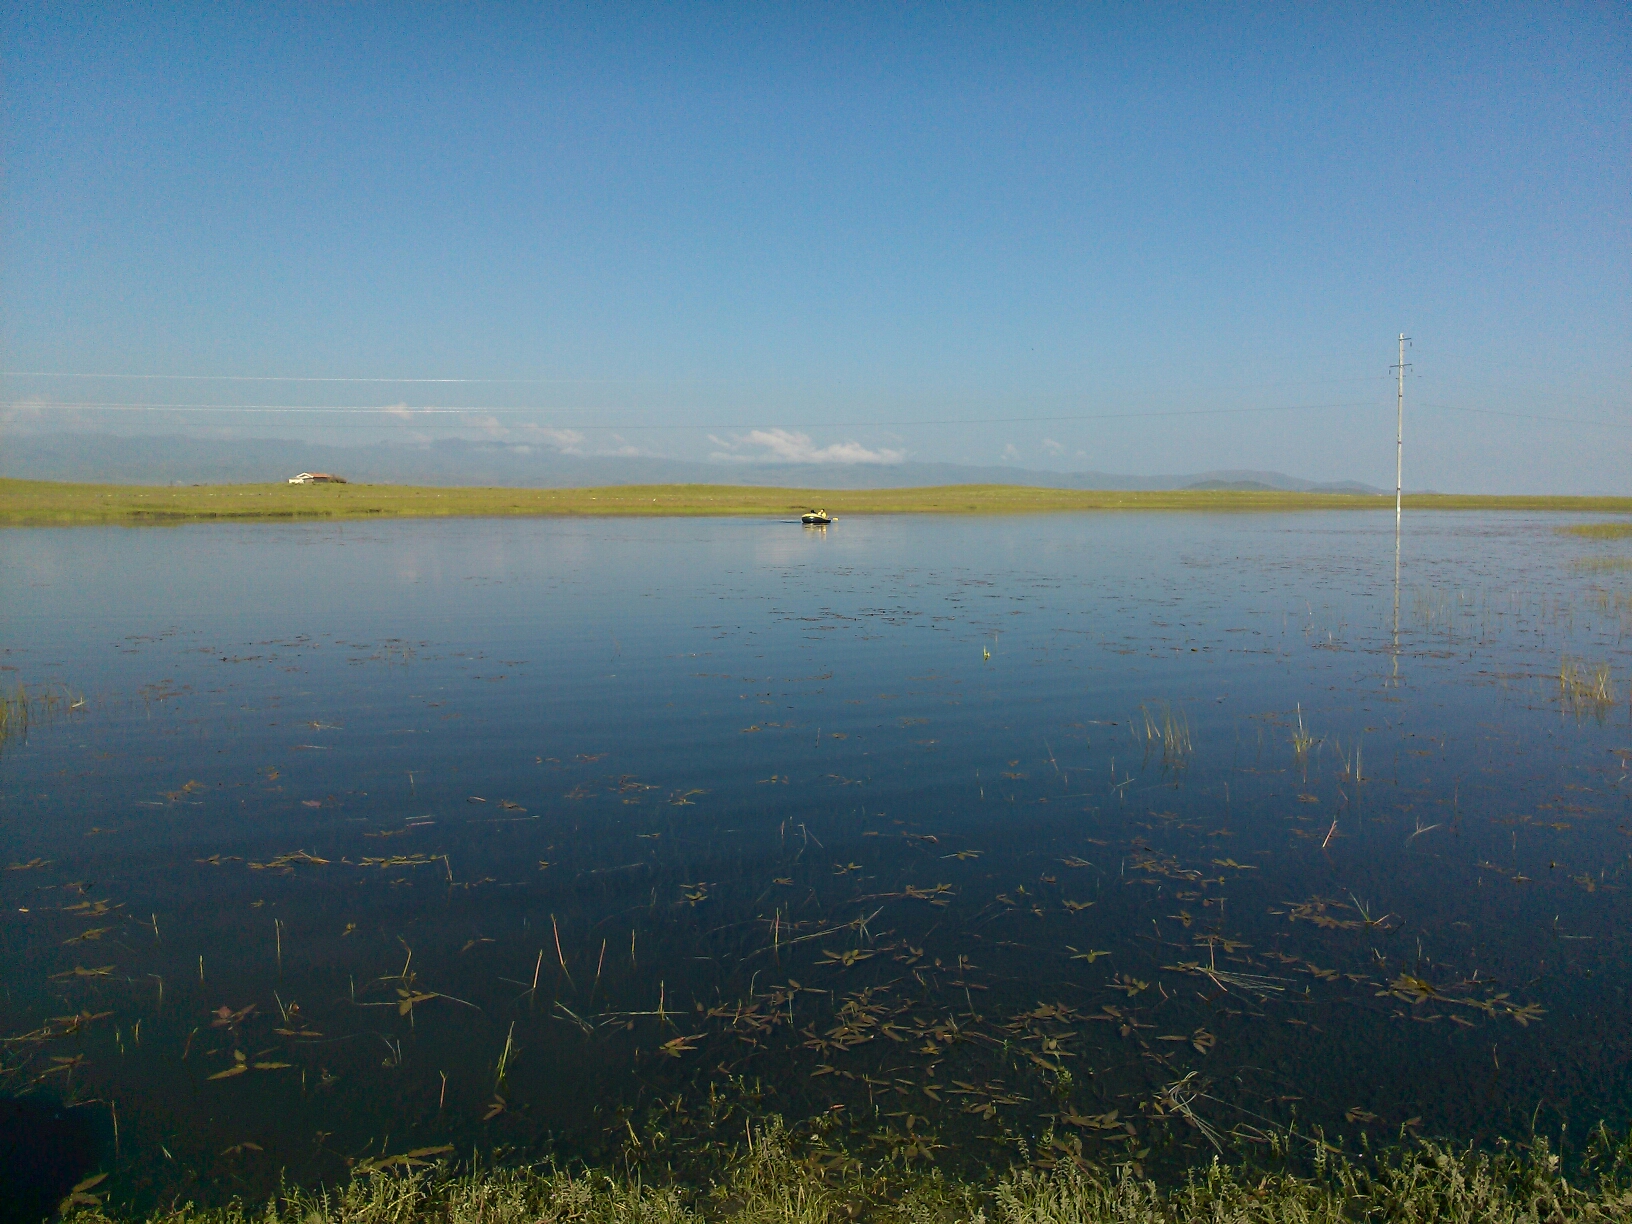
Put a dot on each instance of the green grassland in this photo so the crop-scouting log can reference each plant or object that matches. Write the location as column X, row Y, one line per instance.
column 41, row 503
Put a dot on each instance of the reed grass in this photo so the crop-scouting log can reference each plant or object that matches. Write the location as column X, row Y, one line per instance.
column 1616, row 604
column 13, row 715
column 45, row 503
column 1598, row 531
column 1302, row 741
column 765, row 1182
column 1585, row 688
column 1170, row 732
column 22, row 708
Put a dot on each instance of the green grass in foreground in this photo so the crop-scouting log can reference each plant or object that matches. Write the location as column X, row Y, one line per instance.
column 767, row 1184
column 38, row 502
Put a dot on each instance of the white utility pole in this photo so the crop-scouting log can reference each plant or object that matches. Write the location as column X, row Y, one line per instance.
column 1399, row 435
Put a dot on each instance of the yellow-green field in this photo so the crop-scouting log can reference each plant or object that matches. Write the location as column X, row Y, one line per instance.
column 38, row 502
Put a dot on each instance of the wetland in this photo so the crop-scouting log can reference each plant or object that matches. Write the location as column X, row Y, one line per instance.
column 1077, row 842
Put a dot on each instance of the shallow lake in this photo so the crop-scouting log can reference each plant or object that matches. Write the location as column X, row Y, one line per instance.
column 970, row 841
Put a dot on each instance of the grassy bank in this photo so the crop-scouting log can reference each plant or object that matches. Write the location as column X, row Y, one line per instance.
column 766, row 1183
column 30, row 502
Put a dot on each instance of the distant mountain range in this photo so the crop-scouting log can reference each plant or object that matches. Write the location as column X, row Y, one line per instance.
column 161, row 460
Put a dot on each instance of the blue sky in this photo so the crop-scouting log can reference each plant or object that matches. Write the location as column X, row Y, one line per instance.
column 1153, row 238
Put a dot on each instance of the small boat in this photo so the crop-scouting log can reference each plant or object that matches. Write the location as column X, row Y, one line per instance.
column 816, row 518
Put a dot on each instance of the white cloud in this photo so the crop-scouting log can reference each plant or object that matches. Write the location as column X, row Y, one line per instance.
column 576, row 442
column 567, row 441
column 786, row 446
column 1010, row 452
column 1053, row 447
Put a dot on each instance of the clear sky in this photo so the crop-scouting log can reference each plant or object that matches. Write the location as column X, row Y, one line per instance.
column 1141, row 238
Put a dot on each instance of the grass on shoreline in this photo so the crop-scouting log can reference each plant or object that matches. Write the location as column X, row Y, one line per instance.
column 47, row 503
column 767, row 1184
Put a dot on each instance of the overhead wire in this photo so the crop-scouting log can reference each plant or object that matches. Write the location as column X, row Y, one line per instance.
column 406, row 412
column 391, row 379
column 1530, row 416
column 318, row 378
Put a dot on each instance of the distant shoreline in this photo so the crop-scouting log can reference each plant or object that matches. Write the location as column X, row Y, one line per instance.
column 52, row 503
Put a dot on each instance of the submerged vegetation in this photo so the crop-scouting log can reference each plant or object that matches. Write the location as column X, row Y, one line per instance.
column 38, row 502
column 765, row 1181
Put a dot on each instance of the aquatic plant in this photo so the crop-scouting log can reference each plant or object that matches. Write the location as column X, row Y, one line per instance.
column 22, row 708
column 1302, row 741
column 14, row 711
column 1598, row 531
column 1585, row 688
column 1432, row 609
column 1616, row 604
column 1169, row 731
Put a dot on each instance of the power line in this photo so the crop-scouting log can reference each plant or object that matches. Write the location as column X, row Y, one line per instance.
column 404, row 412
column 315, row 378
column 303, row 378
column 1530, row 416
column 399, row 410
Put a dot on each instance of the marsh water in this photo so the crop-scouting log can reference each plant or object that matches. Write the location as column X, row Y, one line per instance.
column 958, row 841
